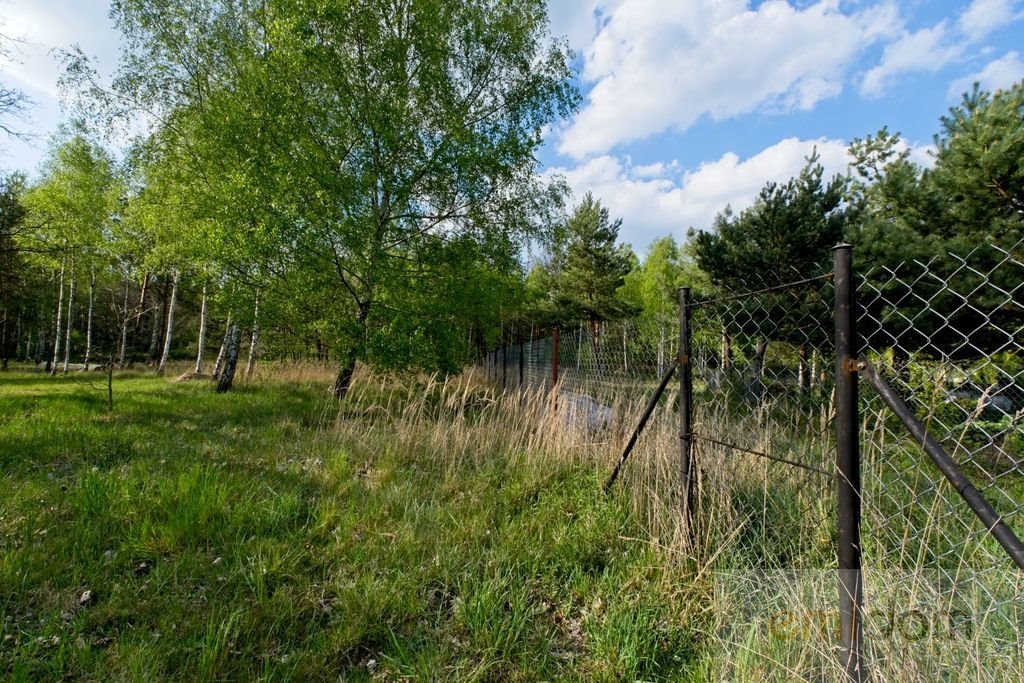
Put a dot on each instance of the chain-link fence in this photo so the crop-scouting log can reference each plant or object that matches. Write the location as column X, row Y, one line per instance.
column 605, row 359
column 947, row 334
column 761, row 419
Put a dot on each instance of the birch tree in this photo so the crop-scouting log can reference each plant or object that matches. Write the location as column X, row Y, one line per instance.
column 201, row 340
column 58, row 316
column 69, row 325
column 363, row 146
column 177, row 237
column 254, row 339
column 169, row 326
column 70, row 211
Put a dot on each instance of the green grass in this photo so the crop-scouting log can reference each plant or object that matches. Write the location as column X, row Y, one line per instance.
column 233, row 537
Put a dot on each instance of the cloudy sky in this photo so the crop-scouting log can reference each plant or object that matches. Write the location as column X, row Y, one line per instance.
column 689, row 105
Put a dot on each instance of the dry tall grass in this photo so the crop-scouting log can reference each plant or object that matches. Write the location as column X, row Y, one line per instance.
column 759, row 576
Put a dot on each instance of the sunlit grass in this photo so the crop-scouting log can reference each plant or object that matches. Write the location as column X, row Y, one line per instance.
column 433, row 528
column 258, row 535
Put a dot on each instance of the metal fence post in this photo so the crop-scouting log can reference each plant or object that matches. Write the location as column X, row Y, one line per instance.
column 851, row 590
column 504, row 365
column 522, row 361
column 554, row 370
column 686, row 467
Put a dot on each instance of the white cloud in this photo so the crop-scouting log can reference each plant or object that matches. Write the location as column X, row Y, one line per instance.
column 658, row 66
column 658, row 169
column 998, row 74
column 922, row 155
column 45, row 25
column 34, row 21
column 573, row 19
column 653, row 206
column 984, row 16
column 928, row 49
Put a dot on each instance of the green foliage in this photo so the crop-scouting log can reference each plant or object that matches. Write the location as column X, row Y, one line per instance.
column 979, row 167
column 71, row 209
column 595, row 265
column 12, row 224
column 972, row 197
column 583, row 271
column 67, row 232
column 896, row 205
column 367, row 150
column 786, row 235
column 969, row 202
column 652, row 287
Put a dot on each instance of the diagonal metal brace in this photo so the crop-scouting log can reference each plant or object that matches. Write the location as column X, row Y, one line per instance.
column 988, row 516
column 643, row 423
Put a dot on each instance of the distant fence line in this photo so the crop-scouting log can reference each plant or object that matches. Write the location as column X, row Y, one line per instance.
column 922, row 470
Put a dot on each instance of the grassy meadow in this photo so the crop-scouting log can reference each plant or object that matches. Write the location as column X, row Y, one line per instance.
column 259, row 535
column 430, row 529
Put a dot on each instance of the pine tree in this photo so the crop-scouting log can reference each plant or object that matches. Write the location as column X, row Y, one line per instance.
column 979, row 167
column 595, row 267
column 787, row 235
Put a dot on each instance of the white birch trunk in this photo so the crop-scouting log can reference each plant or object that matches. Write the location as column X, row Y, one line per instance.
column 661, row 349
column 625, row 359
column 202, row 334
column 803, row 370
column 141, row 308
column 232, row 342
column 88, row 319
column 757, row 371
column 67, row 327
column 60, row 313
column 219, row 364
column 158, row 313
column 124, row 329
column 170, row 325
column 251, row 363
column 579, row 349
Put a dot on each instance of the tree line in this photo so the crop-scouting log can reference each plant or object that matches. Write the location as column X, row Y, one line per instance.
column 968, row 201
column 356, row 182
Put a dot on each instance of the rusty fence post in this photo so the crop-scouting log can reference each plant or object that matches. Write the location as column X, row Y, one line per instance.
column 522, row 361
column 554, row 370
column 851, row 589
column 686, row 467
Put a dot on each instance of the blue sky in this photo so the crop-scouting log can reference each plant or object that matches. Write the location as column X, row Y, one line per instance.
column 689, row 105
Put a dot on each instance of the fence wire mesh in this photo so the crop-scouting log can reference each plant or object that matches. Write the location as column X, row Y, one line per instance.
column 764, row 443
column 948, row 335
column 762, row 427
column 942, row 599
